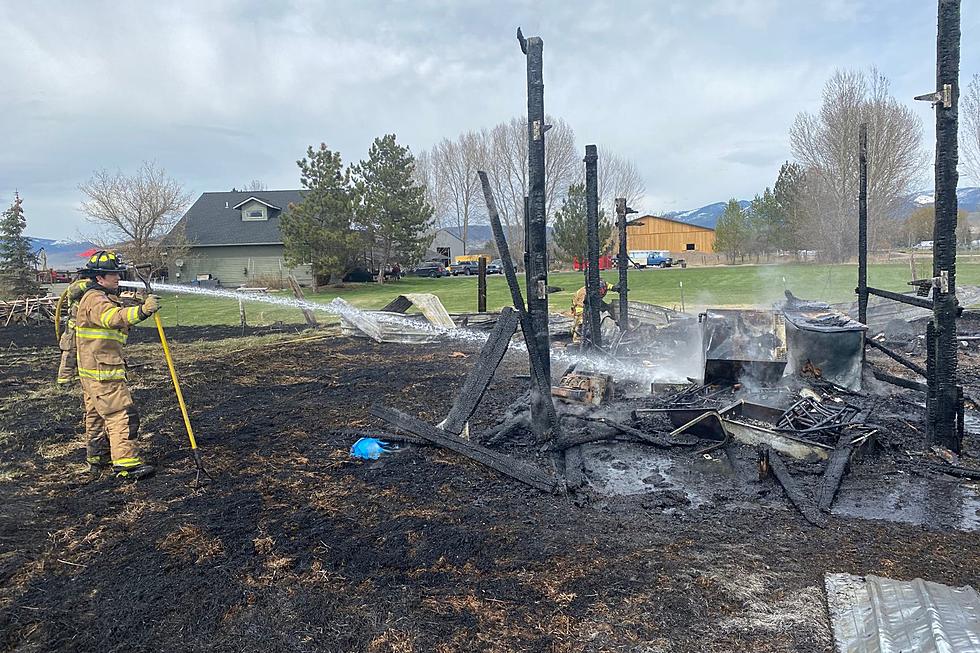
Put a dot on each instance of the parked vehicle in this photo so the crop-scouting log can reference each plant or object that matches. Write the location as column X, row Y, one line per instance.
column 631, row 262
column 659, row 261
column 465, row 268
column 496, row 266
column 431, row 269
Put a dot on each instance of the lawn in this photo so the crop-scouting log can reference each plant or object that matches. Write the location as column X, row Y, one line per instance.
column 746, row 285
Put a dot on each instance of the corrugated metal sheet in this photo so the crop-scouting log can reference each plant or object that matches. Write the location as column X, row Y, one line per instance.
column 871, row 614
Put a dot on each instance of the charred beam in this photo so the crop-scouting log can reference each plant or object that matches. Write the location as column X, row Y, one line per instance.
column 943, row 429
column 862, row 289
column 899, row 297
column 537, row 237
column 897, row 357
column 899, row 381
column 833, row 473
column 481, row 287
column 482, row 372
column 541, row 401
column 622, row 262
column 799, row 498
column 503, row 464
column 592, row 332
column 574, row 468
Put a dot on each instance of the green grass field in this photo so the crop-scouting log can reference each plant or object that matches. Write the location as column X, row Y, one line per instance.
column 745, row 285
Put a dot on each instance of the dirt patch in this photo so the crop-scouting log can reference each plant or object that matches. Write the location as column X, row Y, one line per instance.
column 296, row 547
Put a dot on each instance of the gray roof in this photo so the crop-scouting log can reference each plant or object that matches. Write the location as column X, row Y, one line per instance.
column 209, row 223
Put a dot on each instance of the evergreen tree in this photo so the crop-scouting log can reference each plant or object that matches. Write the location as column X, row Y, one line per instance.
column 571, row 226
column 319, row 229
column 766, row 222
column 790, row 193
column 17, row 277
column 391, row 205
column 732, row 233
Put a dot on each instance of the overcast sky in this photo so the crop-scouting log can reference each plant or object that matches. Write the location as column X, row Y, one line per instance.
column 700, row 94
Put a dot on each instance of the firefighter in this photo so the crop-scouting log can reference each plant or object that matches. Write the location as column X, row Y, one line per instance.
column 101, row 327
column 67, row 371
column 578, row 309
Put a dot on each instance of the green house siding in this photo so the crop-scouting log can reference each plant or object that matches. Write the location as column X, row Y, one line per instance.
column 238, row 265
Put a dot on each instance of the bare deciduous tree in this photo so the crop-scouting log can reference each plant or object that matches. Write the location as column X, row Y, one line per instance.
column 826, row 144
column 504, row 157
column 135, row 211
column 456, row 162
column 970, row 129
column 618, row 177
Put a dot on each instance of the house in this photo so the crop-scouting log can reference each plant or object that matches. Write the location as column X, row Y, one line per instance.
column 234, row 238
column 655, row 233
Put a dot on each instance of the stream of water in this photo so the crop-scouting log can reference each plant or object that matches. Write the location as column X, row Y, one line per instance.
column 338, row 307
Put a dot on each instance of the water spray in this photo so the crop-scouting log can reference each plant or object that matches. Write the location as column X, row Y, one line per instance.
column 340, row 308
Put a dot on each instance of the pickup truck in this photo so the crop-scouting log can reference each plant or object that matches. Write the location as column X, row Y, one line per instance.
column 659, row 261
column 464, row 267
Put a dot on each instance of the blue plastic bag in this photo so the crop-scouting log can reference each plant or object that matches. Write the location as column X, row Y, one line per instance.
column 368, row 449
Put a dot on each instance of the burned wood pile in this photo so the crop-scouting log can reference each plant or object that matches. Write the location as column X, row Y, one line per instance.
column 782, row 388
column 30, row 310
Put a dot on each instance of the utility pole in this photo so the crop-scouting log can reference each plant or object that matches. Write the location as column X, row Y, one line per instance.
column 537, row 243
column 592, row 329
column 943, row 428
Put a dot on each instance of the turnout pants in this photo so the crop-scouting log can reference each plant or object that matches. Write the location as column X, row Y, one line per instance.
column 68, row 370
column 111, row 421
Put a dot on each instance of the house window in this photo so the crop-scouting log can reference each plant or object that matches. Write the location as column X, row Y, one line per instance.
column 254, row 214
column 690, row 247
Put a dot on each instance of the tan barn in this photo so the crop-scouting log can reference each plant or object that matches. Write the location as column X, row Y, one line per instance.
column 654, row 233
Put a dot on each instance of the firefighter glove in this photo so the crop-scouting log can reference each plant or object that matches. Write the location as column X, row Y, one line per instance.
column 151, row 305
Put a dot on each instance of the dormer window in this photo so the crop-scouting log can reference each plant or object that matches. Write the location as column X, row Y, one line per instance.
column 254, row 209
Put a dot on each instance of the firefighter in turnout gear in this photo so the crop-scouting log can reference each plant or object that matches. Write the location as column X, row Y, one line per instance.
column 68, row 370
column 101, row 327
column 578, row 309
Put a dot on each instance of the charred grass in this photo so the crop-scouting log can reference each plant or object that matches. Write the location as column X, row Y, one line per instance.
column 295, row 547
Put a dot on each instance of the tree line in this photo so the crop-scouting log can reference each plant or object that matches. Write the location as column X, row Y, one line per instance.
column 448, row 171
column 812, row 207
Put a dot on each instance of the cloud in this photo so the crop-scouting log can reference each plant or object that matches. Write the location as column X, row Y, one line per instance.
column 699, row 95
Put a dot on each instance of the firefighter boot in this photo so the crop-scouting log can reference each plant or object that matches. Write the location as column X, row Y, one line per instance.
column 132, row 469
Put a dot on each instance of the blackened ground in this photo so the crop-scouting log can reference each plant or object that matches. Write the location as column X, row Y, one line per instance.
column 296, row 547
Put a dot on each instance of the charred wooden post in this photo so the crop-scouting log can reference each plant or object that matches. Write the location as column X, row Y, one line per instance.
column 503, row 464
column 591, row 331
column 481, row 287
column 543, row 415
column 482, row 372
column 537, row 236
column 943, row 430
column 862, row 289
column 622, row 262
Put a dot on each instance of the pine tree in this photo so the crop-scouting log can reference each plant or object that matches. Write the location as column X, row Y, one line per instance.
column 732, row 232
column 319, row 229
column 17, row 276
column 391, row 204
column 571, row 226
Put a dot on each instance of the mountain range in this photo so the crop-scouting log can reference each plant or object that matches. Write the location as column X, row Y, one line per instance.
column 62, row 254
column 66, row 254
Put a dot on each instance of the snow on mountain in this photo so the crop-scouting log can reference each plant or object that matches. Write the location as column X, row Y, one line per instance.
column 705, row 216
column 61, row 254
column 924, row 199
